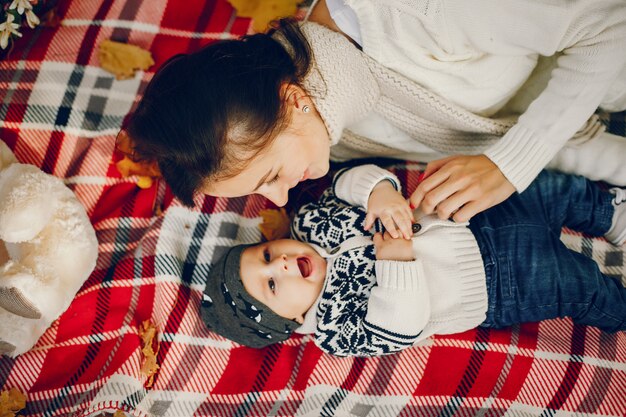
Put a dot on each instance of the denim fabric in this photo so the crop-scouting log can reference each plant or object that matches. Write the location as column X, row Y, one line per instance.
column 531, row 274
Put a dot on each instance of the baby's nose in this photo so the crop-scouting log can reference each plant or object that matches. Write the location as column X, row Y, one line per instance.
column 286, row 263
column 280, row 262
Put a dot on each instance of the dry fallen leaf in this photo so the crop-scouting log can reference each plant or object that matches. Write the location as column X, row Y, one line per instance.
column 275, row 223
column 50, row 19
column 127, row 167
column 123, row 59
column 263, row 12
column 150, row 348
column 11, row 402
column 145, row 171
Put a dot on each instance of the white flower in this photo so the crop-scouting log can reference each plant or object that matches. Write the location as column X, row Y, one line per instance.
column 7, row 29
column 21, row 5
column 31, row 19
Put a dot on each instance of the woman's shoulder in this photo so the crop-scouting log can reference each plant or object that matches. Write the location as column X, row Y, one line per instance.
column 320, row 15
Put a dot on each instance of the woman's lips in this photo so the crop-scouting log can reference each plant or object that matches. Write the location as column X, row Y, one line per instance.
column 305, row 175
column 305, row 266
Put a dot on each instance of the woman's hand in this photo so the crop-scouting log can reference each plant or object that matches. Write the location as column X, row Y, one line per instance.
column 392, row 249
column 460, row 187
column 386, row 203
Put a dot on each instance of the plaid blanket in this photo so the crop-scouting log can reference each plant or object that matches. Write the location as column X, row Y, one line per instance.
column 60, row 111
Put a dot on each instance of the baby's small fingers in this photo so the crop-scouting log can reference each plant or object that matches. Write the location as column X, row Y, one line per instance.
column 390, row 225
column 369, row 221
column 410, row 214
column 402, row 223
column 406, row 227
column 377, row 238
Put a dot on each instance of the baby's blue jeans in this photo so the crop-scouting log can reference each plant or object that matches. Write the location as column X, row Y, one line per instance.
column 531, row 274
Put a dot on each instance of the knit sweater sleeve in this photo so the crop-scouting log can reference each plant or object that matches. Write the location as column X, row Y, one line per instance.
column 339, row 214
column 354, row 185
column 396, row 312
column 590, row 37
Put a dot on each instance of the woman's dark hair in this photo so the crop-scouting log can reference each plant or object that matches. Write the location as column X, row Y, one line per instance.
column 205, row 115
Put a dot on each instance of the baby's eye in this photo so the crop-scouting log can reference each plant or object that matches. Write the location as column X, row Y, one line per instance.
column 266, row 255
column 271, row 284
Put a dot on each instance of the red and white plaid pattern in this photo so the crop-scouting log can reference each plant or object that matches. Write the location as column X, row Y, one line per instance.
column 60, row 111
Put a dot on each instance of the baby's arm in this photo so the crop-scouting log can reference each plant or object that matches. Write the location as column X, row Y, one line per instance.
column 377, row 190
column 389, row 319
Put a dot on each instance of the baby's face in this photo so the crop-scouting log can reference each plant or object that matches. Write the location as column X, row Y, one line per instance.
column 286, row 275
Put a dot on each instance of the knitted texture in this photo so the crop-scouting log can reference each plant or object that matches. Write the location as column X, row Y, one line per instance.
column 345, row 90
column 372, row 307
column 438, row 123
column 482, row 58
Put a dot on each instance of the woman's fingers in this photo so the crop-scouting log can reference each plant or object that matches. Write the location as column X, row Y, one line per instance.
column 451, row 205
column 434, row 166
column 432, row 191
column 461, row 187
column 469, row 210
column 420, row 192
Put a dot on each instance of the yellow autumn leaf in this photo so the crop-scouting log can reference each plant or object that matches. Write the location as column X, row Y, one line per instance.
column 144, row 182
column 126, row 167
column 145, row 171
column 11, row 402
column 123, row 59
column 150, row 348
column 263, row 12
column 275, row 224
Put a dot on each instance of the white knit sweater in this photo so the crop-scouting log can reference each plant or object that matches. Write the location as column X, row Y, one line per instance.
column 589, row 35
column 371, row 307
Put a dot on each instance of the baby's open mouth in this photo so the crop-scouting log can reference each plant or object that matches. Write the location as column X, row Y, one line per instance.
column 305, row 267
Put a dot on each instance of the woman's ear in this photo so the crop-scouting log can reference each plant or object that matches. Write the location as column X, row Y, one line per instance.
column 295, row 96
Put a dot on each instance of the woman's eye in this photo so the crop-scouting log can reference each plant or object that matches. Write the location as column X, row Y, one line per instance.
column 273, row 180
column 271, row 284
column 266, row 255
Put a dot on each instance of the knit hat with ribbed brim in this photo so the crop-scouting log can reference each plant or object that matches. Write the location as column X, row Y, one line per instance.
column 228, row 309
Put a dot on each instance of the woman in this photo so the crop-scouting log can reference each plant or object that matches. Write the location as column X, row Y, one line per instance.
column 412, row 79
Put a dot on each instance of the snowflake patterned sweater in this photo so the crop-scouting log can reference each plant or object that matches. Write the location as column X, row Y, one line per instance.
column 372, row 307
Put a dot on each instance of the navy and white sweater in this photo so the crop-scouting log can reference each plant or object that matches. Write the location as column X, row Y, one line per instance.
column 372, row 307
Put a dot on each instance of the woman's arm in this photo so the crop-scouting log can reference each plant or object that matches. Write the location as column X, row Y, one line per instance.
column 591, row 37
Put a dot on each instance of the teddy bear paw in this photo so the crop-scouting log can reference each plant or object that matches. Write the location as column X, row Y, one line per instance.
column 14, row 301
column 6, row 348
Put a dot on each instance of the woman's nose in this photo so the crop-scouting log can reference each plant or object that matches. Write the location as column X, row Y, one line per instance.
column 278, row 195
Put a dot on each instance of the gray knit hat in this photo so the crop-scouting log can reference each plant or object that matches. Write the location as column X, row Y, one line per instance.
column 228, row 309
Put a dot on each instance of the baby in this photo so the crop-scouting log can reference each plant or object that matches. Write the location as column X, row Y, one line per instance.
column 365, row 294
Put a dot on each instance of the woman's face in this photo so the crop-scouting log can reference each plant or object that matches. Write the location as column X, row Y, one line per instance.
column 299, row 153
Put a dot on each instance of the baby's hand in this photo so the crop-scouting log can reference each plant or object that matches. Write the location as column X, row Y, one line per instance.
column 386, row 203
column 390, row 249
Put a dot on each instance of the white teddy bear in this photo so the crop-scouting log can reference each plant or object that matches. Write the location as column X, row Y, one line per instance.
column 48, row 248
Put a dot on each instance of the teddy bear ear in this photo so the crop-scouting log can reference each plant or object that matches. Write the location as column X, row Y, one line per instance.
column 6, row 156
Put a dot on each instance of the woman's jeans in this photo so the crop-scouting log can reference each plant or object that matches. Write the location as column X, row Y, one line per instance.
column 531, row 274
